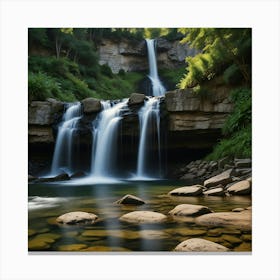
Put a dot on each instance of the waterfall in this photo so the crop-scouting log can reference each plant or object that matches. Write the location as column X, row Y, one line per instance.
column 157, row 87
column 105, row 133
column 149, row 119
column 63, row 152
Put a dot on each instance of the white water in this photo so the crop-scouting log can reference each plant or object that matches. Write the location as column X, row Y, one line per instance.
column 62, row 158
column 157, row 87
column 149, row 118
column 105, row 139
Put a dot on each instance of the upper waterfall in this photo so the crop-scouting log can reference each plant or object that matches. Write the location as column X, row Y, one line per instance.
column 157, row 86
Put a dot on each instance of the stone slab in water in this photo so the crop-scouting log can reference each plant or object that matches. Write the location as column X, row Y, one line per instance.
column 239, row 220
column 200, row 245
column 91, row 105
column 189, row 210
column 215, row 192
column 131, row 200
column 78, row 217
column 143, row 217
column 136, row 98
column 240, row 188
column 194, row 190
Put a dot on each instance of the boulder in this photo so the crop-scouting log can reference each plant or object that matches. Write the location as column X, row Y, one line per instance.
column 194, row 190
column 240, row 188
column 130, row 199
column 224, row 178
column 199, row 245
column 143, row 217
column 215, row 192
column 31, row 178
column 239, row 220
column 57, row 106
column 189, row 210
column 91, row 105
column 77, row 217
column 136, row 98
column 40, row 113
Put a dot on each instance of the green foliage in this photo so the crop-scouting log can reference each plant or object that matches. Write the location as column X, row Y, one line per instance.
column 232, row 75
column 237, row 129
column 220, row 48
column 172, row 76
column 239, row 145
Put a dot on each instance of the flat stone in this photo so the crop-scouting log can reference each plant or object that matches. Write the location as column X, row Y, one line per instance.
column 244, row 247
column 31, row 178
column 60, row 177
column 224, row 178
column 194, row 190
column 231, row 239
column 240, row 163
column 130, row 199
column 215, row 192
column 189, row 210
column 105, row 249
column 143, row 217
column 31, row 232
column 241, row 220
column 77, row 217
column 240, row 188
column 247, row 237
column 186, row 231
column 37, row 245
column 237, row 209
column 199, row 245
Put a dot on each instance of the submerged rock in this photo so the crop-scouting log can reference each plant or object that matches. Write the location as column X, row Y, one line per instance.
column 189, row 210
column 72, row 247
column 143, row 217
column 200, row 245
column 130, row 199
column 215, row 192
column 78, row 217
column 187, row 191
column 31, row 178
column 61, row 177
column 239, row 220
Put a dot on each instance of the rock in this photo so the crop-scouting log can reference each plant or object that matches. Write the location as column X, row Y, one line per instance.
column 185, row 231
column 215, row 192
column 244, row 247
column 57, row 106
column 40, row 113
column 199, row 245
column 61, row 177
column 189, row 210
column 201, row 172
column 77, row 217
column 37, row 245
column 241, row 163
column 143, row 217
column 136, row 98
column 31, row 232
column 223, row 179
column 72, row 247
column 40, row 134
column 231, row 239
column 242, row 171
column 241, row 220
column 188, row 177
column 130, row 199
column 240, row 188
column 194, row 190
column 222, row 162
column 237, row 209
column 91, row 105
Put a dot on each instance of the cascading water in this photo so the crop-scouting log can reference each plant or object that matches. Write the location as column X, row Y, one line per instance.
column 157, row 87
column 62, row 158
column 104, row 139
column 149, row 119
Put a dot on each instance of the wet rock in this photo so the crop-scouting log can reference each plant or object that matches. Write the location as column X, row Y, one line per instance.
column 61, row 177
column 189, row 210
column 240, row 188
column 224, row 178
column 72, row 247
column 231, row 239
column 131, row 200
column 238, row 209
column 77, row 217
column 215, row 192
column 186, row 231
column 199, row 245
column 188, row 177
column 244, row 247
column 143, row 217
column 91, row 105
column 37, row 245
column 153, row 234
column 136, row 98
column 194, row 190
column 242, row 171
column 105, row 249
column 31, row 178
column 31, row 232
column 241, row 220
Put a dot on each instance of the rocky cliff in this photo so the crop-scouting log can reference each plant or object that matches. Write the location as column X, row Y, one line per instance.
column 131, row 55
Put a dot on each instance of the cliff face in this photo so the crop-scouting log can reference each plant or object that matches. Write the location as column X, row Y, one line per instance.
column 132, row 55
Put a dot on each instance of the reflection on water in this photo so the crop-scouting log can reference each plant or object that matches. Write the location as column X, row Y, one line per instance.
column 47, row 201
